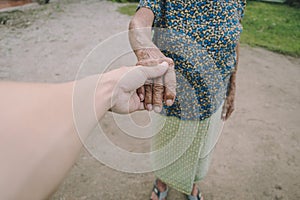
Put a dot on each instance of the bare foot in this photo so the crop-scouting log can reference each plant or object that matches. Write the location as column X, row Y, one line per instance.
column 161, row 186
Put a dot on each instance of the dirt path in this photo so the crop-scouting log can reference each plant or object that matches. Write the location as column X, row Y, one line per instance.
column 257, row 156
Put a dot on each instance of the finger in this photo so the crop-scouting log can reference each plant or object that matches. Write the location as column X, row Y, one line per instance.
column 149, row 62
column 170, row 84
column 141, row 93
column 223, row 116
column 137, row 76
column 148, row 97
column 224, row 111
column 229, row 112
column 155, row 62
column 157, row 95
column 154, row 72
column 135, row 104
column 169, row 96
column 168, row 60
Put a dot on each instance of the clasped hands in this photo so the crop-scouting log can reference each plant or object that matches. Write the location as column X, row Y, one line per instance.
column 155, row 84
column 161, row 89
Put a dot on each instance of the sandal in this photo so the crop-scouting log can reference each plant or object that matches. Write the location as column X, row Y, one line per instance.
column 198, row 197
column 160, row 195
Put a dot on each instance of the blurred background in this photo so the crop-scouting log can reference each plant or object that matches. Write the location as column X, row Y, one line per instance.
column 257, row 156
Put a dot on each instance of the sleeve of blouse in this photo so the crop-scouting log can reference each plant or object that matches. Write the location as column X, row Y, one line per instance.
column 154, row 6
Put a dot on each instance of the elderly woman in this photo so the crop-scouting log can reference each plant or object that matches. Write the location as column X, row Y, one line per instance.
column 201, row 39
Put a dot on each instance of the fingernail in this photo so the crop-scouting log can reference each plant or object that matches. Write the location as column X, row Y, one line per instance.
column 164, row 63
column 141, row 97
column 157, row 109
column 169, row 102
column 223, row 116
column 149, row 107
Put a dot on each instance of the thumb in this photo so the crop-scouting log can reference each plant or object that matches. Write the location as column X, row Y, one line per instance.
column 154, row 72
column 138, row 75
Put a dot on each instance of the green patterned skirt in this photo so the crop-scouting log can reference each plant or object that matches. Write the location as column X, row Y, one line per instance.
column 182, row 149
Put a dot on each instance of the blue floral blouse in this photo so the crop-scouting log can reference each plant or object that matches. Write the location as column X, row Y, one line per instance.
column 201, row 37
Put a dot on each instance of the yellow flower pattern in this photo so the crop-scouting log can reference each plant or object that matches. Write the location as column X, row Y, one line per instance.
column 201, row 37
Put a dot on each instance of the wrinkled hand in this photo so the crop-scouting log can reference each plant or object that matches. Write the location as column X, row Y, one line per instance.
column 125, row 98
column 157, row 90
column 228, row 106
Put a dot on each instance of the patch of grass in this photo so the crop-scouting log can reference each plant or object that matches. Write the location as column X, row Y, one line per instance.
column 13, row 18
column 273, row 26
column 128, row 9
column 24, row 18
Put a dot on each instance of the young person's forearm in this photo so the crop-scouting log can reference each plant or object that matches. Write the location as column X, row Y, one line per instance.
column 90, row 101
column 39, row 140
column 38, row 129
column 43, row 125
